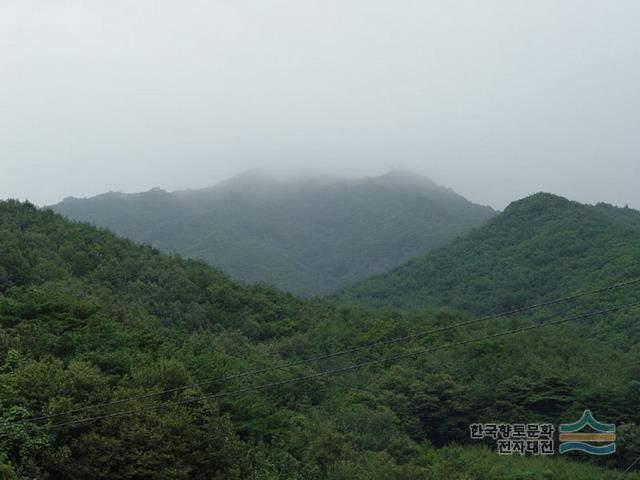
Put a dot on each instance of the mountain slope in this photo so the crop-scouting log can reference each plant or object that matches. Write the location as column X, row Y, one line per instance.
column 308, row 236
column 537, row 247
column 88, row 318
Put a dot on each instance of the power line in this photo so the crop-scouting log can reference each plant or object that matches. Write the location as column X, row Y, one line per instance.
column 413, row 336
column 632, row 464
column 337, row 371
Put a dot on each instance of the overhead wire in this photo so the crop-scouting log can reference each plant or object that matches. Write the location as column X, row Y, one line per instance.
column 317, row 358
column 336, row 371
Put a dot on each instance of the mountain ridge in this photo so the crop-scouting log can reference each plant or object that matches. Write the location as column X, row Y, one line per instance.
column 542, row 243
column 310, row 236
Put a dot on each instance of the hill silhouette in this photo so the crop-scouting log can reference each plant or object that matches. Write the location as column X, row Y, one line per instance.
column 538, row 246
column 309, row 236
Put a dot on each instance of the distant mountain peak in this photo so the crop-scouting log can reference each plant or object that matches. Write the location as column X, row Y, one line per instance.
column 310, row 234
column 402, row 174
column 257, row 178
column 406, row 177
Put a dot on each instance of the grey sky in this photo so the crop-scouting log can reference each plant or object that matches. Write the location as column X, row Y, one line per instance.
column 497, row 99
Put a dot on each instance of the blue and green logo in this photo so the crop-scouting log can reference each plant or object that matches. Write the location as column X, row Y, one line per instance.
column 588, row 435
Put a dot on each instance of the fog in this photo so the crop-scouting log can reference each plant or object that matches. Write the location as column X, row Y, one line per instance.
column 496, row 99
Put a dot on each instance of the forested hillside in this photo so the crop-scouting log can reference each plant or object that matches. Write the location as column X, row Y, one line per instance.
column 90, row 319
column 537, row 247
column 306, row 236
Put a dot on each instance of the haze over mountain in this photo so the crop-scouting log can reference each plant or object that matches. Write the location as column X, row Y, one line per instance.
column 308, row 235
column 495, row 98
column 537, row 247
column 332, row 313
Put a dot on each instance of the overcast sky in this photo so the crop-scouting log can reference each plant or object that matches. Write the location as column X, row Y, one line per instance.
column 496, row 99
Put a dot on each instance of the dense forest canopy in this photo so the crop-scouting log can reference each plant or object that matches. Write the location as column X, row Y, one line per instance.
column 88, row 318
column 309, row 236
column 539, row 246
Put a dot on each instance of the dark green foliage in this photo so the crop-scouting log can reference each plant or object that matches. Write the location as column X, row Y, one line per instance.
column 86, row 318
column 538, row 248
column 309, row 236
